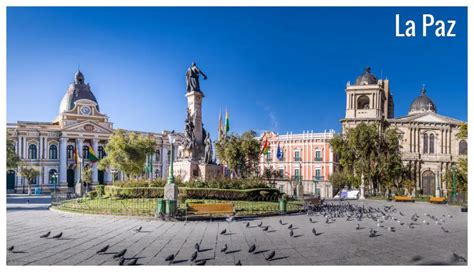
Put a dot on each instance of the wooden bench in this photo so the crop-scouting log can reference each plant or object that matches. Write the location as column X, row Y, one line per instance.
column 210, row 209
column 438, row 200
column 313, row 201
column 403, row 199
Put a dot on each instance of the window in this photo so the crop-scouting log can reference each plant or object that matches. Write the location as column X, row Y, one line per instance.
column 157, row 173
column 281, row 173
column 53, row 176
column 297, row 155
column 317, row 175
column 297, row 174
column 101, row 152
column 157, row 155
column 32, row 152
column 363, row 102
column 462, row 147
column 70, row 151
column 53, row 152
column 432, row 143
column 318, row 156
column 85, row 152
column 269, row 155
column 425, row 143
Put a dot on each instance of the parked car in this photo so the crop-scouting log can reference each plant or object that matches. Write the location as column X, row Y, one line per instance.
column 347, row 194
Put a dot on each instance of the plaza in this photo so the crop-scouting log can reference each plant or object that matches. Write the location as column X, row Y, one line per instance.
column 337, row 243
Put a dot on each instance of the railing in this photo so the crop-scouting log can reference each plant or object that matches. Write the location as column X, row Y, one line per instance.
column 297, row 159
column 317, row 178
column 296, row 178
column 318, row 159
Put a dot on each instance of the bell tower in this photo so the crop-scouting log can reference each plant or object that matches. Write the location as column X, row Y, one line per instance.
column 368, row 100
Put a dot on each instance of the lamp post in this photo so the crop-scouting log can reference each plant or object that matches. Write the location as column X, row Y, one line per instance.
column 55, row 180
column 171, row 190
column 170, row 180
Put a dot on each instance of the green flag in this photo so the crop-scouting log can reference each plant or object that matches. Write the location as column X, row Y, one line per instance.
column 227, row 125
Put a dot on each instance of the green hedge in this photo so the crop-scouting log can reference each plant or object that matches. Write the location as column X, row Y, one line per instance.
column 194, row 193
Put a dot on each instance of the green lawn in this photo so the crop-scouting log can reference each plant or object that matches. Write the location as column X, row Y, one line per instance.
column 146, row 206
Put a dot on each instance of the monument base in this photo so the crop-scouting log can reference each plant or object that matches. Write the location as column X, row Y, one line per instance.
column 191, row 170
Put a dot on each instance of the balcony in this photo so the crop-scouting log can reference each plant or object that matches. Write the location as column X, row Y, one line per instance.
column 318, row 159
column 297, row 178
column 297, row 159
column 317, row 178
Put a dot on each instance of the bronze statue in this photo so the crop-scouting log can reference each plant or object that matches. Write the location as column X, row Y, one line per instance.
column 208, row 149
column 192, row 78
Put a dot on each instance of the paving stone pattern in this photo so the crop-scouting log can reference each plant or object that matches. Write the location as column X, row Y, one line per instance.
column 338, row 244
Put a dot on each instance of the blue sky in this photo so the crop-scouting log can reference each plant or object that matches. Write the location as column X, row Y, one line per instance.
column 283, row 69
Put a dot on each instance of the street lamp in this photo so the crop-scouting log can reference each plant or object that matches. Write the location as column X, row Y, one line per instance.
column 454, row 175
column 172, row 139
column 55, row 180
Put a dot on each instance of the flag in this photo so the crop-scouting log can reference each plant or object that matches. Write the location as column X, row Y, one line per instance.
column 219, row 129
column 91, row 154
column 227, row 125
column 279, row 153
column 265, row 147
column 77, row 157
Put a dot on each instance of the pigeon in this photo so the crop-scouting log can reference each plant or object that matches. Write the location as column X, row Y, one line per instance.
column 392, row 229
column 230, row 218
column 45, row 235
column 314, row 232
column 327, row 220
column 103, row 250
column 170, row 258
column 196, row 246
column 247, row 225
column 238, row 263
column 290, row 226
column 281, row 223
column 138, row 229
column 445, row 230
column 311, row 220
column 372, row 233
column 402, row 214
column 58, row 235
column 120, row 254
column 270, row 256
column 223, row 231
column 133, row 262
column 122, row 260
column 358, row 227
column 11, row 248
column 194, row 256
column 201, row 262
column 291, row 233
column 260, row 224
column 458, row 258
column 252, row 248
column 265, row 228
column 224, row 249
column 416, row 258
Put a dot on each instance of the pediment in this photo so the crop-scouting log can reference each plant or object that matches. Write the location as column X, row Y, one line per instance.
column 428, row 117
column 87, row 126
column 431, row 118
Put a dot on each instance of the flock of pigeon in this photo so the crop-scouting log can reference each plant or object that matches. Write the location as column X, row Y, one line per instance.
column 330, row 211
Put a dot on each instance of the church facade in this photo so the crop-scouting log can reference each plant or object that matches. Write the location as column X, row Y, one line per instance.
column 428, row 141
column 51, row 147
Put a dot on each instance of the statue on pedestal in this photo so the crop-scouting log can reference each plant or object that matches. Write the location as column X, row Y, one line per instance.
column 208, row 149
column 192, row 78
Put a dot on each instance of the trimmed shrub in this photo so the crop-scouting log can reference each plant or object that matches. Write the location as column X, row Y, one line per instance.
column 100, row 189
column 133, row 192
column 91, row 194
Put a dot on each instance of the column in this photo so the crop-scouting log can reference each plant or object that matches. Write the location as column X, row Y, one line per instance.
column 78, row 170
column 164, row 161
column 40, row 148
column 63, row 160
column 437, row 190
column 25, row 148
column 95, row 176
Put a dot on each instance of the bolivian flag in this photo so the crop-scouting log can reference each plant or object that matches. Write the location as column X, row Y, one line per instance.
column 91, row 154
column 265, row 147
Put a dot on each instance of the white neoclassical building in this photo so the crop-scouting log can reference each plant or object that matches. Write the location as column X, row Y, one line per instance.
column 428, row 139
column 49, row 147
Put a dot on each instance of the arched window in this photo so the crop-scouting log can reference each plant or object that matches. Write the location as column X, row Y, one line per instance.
column 432, row 143
column 100, row 151
column 462, row 147
column 425, row 143
column 53, row 152
column 363, row 102
column 70, row 151
column 53, row 176
column 32, row 152
column 85, row 151
column 157, row 155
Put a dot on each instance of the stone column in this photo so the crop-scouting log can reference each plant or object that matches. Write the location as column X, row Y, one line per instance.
column 437, row 191
column 40, row 148
column 362, row 188
column 95, row 175
column 63, row 160
column 78, row 169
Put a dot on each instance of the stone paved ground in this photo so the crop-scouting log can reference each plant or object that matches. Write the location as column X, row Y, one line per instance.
column 339, row 243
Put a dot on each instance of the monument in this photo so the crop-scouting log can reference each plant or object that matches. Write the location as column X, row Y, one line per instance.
column 195, row 155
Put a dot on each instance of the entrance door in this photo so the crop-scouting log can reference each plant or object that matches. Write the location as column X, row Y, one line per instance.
column 428, row 183
column 70, row 178
column 100, row 176
column 11, row 180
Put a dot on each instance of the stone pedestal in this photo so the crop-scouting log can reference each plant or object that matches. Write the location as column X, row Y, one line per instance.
column 194, row 100
column 362, row 188
column 300, row 190
column 78, row 189
column 188, row 170
column 170, row 192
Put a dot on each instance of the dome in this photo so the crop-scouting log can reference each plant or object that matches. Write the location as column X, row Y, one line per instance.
column 76, row 91
column 366, row 78
column 422, row 104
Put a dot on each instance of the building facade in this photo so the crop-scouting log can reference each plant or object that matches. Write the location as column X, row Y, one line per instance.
column 428, row 141
column 305, row 157
column 50, row 147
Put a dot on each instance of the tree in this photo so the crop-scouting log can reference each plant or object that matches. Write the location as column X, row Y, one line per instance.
column 391, row 169
column 12, row 158
column 127, row 152
column 86, row 177
column 240, row 153
column 30, row 174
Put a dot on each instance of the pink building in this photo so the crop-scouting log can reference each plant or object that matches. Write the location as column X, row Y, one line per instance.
column 307, row 157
